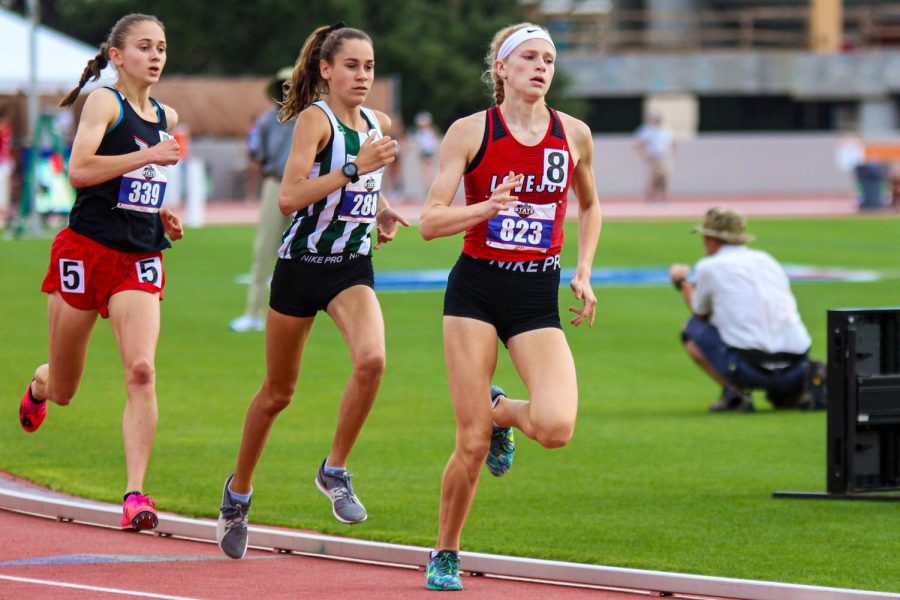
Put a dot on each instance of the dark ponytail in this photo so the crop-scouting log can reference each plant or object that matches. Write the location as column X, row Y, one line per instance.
column 306, row 84
column 116, row 39
column 91, row 72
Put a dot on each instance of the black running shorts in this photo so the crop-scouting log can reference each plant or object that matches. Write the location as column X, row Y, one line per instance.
column 514, row 297
column 303, row 286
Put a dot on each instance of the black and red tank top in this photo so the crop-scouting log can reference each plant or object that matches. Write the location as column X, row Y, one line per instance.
column 532, row 226
column 123, row 213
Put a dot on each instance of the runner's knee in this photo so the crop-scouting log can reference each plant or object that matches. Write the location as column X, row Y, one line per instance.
column 472, row 450
column 369, row 366
column 275, row 397
column 140, row 373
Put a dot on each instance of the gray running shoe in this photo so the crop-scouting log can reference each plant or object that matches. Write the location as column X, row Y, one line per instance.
column 344, row 504
column 231, row 530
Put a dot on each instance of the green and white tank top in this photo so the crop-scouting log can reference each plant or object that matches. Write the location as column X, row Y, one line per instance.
column 341, row 222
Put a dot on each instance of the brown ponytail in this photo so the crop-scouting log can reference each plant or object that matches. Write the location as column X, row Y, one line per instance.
column 306, row 84
column 490, row 76
column 116, row 39
column 91, row 71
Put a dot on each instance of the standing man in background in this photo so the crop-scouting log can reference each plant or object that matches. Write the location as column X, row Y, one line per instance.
column 655, row 145
column 269, row 145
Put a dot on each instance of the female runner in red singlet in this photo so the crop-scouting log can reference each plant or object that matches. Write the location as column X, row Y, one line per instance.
column 518, row 161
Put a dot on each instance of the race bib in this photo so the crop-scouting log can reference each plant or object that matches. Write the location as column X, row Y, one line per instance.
column 144, row 189
column 522, row 226
column 556, row 168
column 359, row 201
column 149, row 270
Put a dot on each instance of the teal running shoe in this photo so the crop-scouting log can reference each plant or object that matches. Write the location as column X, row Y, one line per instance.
column 443, row 572
column 503, row 445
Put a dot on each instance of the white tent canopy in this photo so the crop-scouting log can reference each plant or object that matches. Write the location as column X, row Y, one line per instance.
column 60, row 58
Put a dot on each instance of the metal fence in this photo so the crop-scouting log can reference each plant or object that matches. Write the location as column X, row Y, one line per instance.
column 613, row 31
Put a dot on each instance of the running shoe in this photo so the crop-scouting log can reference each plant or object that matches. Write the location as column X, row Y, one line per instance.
column 139, row 513
column 231, row 530
column 31, row 413
column 443, row 572
column 503, row 445
column 246, row 323
column 344, row 504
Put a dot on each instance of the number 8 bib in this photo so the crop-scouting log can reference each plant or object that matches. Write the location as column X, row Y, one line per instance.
column 522, row 226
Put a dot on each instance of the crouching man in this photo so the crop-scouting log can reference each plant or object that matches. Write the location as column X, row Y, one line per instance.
column 745, row 332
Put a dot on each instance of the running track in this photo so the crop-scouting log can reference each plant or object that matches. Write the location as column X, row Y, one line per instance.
column 47, row 559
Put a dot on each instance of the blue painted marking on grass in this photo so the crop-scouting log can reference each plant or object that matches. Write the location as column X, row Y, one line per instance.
column 408, row 281
column 436, row 280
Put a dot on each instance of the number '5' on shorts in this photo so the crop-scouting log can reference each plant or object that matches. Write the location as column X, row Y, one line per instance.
column 87, row 274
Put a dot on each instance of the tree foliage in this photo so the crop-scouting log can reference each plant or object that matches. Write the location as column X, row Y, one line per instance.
column 435, row 49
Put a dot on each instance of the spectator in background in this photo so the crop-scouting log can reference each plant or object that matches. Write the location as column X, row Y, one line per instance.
column 655, row 145
column 850, row 158
column 745, row 332
column 7, row 166
column 849, row 152
column 428, row 141
column 269, row 144
column 393, row 184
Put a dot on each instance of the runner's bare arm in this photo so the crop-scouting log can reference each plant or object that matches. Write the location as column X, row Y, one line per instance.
column 311, row 133
column 86, row 168
column 459, row 146
column 589, row 219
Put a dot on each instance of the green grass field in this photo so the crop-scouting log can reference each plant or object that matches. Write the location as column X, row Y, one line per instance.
column 650, row 480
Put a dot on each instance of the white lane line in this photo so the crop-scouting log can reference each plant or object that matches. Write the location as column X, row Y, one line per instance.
column 92, row 588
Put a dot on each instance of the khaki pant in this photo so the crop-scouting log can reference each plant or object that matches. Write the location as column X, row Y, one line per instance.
column 269, row 230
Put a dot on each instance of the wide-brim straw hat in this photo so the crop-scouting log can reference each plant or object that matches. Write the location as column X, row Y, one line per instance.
column 725, row 224
column 276, row 83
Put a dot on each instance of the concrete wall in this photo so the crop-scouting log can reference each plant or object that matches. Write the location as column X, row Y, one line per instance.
column 226, row 166
column 739, row 164
column 720, row 164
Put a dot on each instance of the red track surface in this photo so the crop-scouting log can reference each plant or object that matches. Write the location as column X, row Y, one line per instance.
column 616, row 208
column 136, row 565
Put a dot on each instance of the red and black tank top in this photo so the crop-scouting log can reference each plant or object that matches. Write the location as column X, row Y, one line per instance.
column 532, row 227
column 97, row 212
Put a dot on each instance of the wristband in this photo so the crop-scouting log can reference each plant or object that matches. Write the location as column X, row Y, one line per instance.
column 678, row 283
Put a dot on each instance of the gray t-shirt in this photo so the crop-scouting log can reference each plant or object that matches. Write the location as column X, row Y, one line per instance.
column 272, row 143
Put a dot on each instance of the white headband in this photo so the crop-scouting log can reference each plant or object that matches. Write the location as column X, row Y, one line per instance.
column 532, row 32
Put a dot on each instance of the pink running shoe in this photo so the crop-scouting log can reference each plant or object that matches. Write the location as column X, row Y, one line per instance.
column 31, row 413
column 139, row 513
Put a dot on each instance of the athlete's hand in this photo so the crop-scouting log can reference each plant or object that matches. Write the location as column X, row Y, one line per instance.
column 172, row 224
column 376, row 152
column 164, row 153
column 501, row 197
column 386, row 222
column 581, row 285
